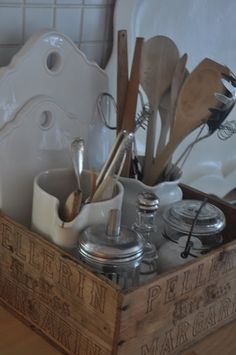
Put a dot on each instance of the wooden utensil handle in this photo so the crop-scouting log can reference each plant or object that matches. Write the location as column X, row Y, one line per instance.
column 122, row 77
column 180, row 75
column 133, row 87
column 159, row 165
column 132, row 97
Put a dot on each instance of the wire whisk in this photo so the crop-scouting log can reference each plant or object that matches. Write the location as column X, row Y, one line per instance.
column 226, row 130
column 106, row 100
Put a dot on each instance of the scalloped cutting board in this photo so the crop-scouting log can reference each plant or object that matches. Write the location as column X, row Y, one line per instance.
column 48, row 96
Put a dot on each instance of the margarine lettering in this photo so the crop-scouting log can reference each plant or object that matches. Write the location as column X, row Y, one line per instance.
column 187, row 282
column 86, row 346
column 33, row 258
column 85, row 315
column 177, row 336
column 151, row 349
column 80, row 284
column 48, row 260
column 6, row 233
column 170, row 291
column 185, row 307
column 98, row 297
column 186, row 304
column 53, row 292
column 182, row 337
column 153, row 294
column 19, row 247
column 65, row 275
column 168, row 343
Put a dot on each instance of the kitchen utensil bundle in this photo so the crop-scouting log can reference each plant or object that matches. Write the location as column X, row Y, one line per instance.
column 195, row 99
column 105, row 184
column 184, row 101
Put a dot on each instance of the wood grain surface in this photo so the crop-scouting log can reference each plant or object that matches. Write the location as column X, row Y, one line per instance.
column 18, row 339
column 85, row 314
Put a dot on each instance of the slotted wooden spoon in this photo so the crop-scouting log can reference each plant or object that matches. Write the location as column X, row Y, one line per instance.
column 195, row 98
column 159, row 58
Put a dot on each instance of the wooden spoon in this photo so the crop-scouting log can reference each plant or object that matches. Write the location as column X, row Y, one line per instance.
column 168, row 102
column 195, row 99
column 159, row 58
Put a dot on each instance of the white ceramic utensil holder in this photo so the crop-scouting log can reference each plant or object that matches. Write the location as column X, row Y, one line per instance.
column 51, row 188
column 167, row 192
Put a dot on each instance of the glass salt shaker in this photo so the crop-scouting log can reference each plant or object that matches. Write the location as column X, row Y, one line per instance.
column 146, row 223
column 113, row 251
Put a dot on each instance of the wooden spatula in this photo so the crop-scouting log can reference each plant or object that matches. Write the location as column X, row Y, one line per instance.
column 195, row 99
column 159, row 57
column 168, row 114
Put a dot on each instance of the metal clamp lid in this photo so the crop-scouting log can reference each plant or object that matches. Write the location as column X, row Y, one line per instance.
column 180, row 216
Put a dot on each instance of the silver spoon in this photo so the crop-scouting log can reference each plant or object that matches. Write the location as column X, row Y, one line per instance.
column 74, row 201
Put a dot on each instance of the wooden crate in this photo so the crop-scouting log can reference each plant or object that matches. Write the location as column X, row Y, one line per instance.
column 85, row 314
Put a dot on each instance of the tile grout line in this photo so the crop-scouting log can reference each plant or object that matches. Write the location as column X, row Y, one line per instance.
column 80, row 35
column 23, row 23
column 104, row 36
column 54, row 14
column 104, row 42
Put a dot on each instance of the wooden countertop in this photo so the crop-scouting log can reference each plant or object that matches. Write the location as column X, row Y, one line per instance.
column 17, row 338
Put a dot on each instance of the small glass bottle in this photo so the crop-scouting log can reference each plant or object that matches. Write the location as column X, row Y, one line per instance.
column 146, row 224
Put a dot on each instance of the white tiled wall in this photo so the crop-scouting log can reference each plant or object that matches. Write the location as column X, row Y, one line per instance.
column 87, row 22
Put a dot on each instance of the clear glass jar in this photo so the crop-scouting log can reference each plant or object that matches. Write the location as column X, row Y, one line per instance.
column 113, row 251
column 172, row 253
column 180, row 217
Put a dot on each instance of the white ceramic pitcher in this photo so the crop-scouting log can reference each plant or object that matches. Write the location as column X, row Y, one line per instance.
column 51, row 188
column 167, row 192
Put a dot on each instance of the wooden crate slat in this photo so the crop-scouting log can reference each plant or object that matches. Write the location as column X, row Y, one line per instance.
column 180, row 307
column 62, row 298
column 86, row 314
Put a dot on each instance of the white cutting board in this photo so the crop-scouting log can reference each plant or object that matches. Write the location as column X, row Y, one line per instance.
column 202, row 28
column 43, row 106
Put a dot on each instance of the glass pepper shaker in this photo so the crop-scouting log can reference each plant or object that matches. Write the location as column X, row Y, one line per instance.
column 146, row 224
column 113, row 251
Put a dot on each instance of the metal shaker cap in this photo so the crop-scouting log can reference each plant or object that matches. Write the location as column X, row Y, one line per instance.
column 107, row 245
column 147, row 201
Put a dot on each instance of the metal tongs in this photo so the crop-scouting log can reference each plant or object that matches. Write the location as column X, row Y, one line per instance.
column 105, row 182
column 214, row 123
